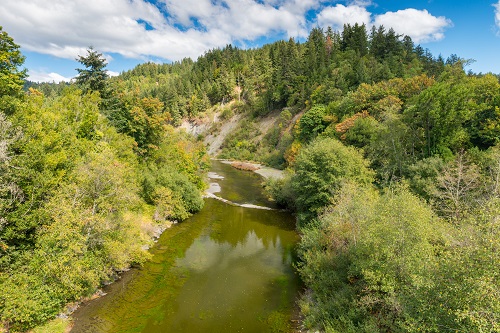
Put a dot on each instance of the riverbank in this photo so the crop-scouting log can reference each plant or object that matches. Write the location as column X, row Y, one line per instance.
column 64, row 322
column 228, row 256
column 264, row 171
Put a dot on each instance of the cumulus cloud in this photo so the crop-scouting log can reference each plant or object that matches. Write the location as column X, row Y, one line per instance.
column 65, row 28
column 44, row 76
column 41, row 76
column 420, row 25
column 111, row 73
column 362, row 3
column 339, row 15
column 171, row 29
column 497, row 14
column 174, row 29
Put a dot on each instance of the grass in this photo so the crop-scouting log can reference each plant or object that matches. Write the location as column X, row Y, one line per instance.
column 58, row 325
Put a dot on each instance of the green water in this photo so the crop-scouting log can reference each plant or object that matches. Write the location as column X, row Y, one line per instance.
column 226, row 269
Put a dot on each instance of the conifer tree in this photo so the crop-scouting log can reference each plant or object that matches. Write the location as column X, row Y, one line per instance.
column 93, row 77
column 11, row 77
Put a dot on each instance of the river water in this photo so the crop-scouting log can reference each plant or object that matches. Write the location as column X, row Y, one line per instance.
column 226, row 269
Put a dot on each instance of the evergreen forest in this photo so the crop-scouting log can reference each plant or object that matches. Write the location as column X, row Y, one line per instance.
column 391, row 158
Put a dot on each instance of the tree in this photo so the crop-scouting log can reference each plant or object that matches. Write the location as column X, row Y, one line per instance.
column 320, row 170
column 458, row 188
column 312, row 123
column 9, row 191
column 147, row 122
column 93, row 77
column 11, row 77
column 354, row 37
column 367, row 260
column 378, row 42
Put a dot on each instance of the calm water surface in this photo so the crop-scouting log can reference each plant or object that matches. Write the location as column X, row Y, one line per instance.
column 226, row 269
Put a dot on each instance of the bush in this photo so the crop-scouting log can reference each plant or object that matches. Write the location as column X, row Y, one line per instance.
column 368, row 260
column 312, row 123
column 320, row 170
column 174, row 196
column 281, row 191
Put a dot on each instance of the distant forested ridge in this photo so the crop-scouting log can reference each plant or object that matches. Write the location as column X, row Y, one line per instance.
column 285, row 73
column 391, row 158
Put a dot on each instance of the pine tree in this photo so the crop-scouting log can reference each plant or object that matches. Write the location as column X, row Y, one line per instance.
column 93, row 77
column 11, row 77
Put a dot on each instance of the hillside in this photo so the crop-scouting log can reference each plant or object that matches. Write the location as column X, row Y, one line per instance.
column 392, row 165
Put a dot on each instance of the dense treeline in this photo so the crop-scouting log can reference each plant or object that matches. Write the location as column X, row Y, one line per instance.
column 384, row 259
column 395, row 185
column 396, row 189
column 81, row 199
column 284, row 73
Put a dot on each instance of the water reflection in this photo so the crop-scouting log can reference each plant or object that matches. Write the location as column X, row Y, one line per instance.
column 227, row 268
column 239, row 273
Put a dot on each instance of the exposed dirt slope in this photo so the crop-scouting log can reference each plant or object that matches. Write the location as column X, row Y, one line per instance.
column 214, row 129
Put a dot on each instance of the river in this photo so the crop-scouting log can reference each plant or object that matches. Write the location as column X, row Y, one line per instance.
column 226, row 269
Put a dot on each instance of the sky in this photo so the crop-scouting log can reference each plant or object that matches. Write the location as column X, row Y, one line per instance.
column 129, row 32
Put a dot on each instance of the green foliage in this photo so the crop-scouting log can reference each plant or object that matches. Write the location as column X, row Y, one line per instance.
column 282, row 74
column 43, row 155
column 464, row 295
column 11, row 77
column 312, row 123
column 72, row 204
column 281, row 191
column 391, row 149
column 147, row 123
column 422, row 176
column 458, row 188
column 385, row 263
column 367, row 260
column 93, row 76
column 362, row 133
column 238, row 145
column 26, row 300
column 174, row 196
column 442, row 114
column 320, row 170
column 73, row 207
column 9, row 192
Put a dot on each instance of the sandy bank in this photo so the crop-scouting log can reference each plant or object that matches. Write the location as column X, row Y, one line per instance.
column 262, row 170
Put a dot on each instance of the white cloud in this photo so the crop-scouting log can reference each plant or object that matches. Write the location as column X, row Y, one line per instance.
column 41, row 76
column 497, row 14
column 66, row 28
column 362, row 3
column 111, row 73
column 420, row 25
column 139, row 29
column 339, row 15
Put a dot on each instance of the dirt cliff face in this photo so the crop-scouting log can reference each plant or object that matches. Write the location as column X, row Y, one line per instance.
column 213, row 128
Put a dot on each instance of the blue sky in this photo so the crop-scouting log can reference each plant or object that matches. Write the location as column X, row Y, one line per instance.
column 128, row 32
